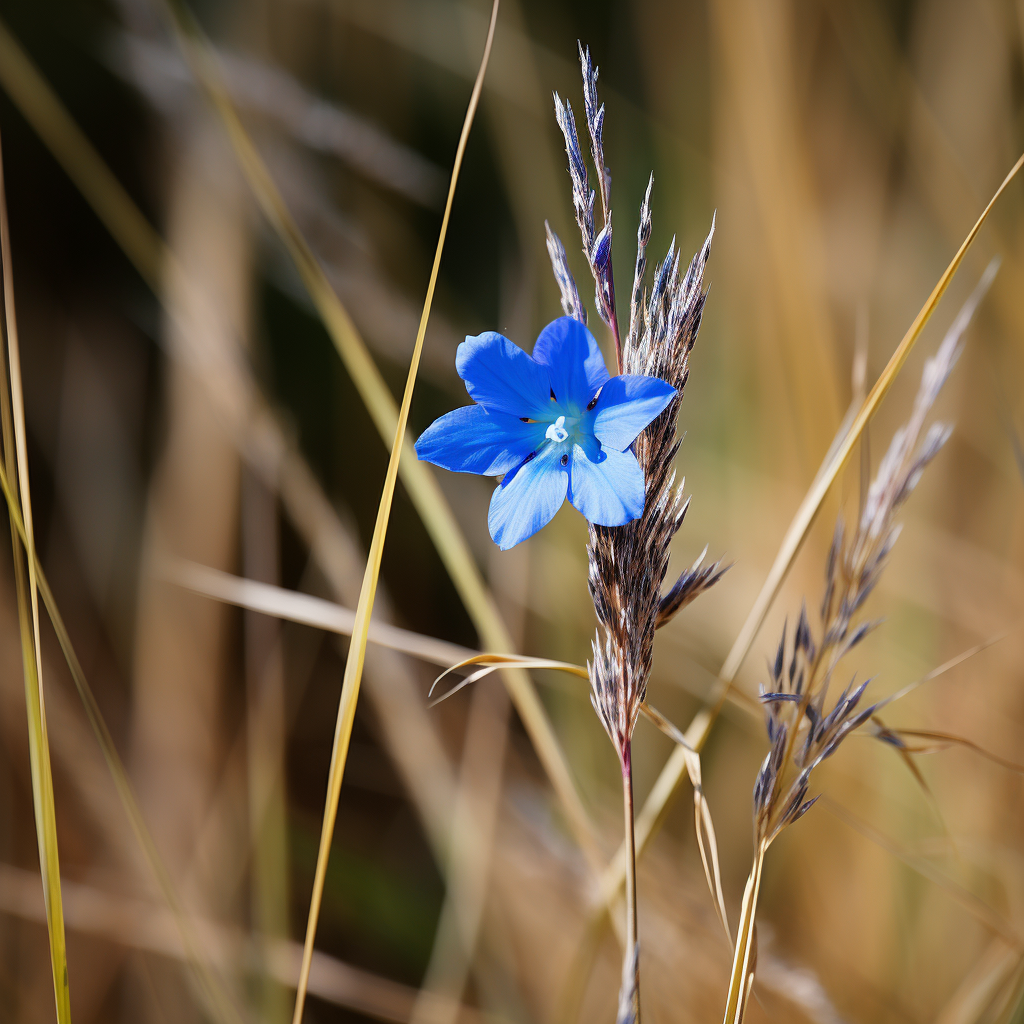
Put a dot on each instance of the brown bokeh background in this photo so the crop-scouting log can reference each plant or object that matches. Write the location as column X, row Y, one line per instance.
column 847, row 147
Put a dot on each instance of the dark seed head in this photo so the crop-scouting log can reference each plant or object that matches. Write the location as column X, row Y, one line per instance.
column 565, row 460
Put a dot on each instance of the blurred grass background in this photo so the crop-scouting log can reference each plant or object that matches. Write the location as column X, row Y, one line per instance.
column 847, row 146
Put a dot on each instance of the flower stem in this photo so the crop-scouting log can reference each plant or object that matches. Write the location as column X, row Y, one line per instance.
column 631, row 915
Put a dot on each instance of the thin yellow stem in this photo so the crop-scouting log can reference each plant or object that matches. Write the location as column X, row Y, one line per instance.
column 653, row 812
column 746, row 943
column 364, row 607
column 16, row 452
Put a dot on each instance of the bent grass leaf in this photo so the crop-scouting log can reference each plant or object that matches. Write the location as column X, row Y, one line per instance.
column 938, row 741
column 360, row 629
column 16, row 457
column 212, row 987
column 148, row 253
column 656, row 805
column 420, row 483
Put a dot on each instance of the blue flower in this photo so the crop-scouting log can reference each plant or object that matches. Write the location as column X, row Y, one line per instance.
column 554, row 423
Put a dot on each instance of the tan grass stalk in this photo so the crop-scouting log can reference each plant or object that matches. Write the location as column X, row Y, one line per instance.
column 255, row 429
column 148, row 253
column 803, row 728
column 745, row 952
column 212, row 987
column 656, row 806
column 422, row 486
column 308, row 610
column 357, row 649
column 16, row 458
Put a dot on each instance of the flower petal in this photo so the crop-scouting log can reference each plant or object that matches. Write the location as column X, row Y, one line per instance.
column 573, row 360
column 528, row 498
column 626, row 405
column 474, row 440
column 606, row 486
column 501, row 377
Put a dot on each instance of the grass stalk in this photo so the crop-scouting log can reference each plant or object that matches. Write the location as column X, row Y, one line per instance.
column 364, row 607
column 656, row 806
column 12, row 410
column 745, row 954
column 140, row 241
column 211, row 987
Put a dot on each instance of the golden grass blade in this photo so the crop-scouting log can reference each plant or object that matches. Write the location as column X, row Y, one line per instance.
column 419, row 481
column 307, row 610
column 745, row 954
column 142, row 244
column 655, row 807
column 367, row 592
column 15, row 451
column 812, row 502
column 704, row 827
column 212, row 989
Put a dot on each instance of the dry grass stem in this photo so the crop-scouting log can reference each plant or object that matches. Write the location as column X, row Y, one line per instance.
column 802, row 728
column 421, row 484
column 12, row 408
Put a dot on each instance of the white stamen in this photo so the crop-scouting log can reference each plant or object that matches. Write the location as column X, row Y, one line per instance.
column 557, row 432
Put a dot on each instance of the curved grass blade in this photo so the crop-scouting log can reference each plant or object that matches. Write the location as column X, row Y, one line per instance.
column 703, row 824
column 656, row 805
column 306, row 609
column 367, row 592
column 494, row 663
column 212, row 989
column 420, row 483
column 16, row 457
column 811, row 504
column 149, row 255
column 745, row 953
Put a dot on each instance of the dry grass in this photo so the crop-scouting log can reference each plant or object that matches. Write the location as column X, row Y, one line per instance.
column 204, row 403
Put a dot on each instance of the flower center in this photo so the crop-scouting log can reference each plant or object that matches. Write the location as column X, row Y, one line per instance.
column 557, row 432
